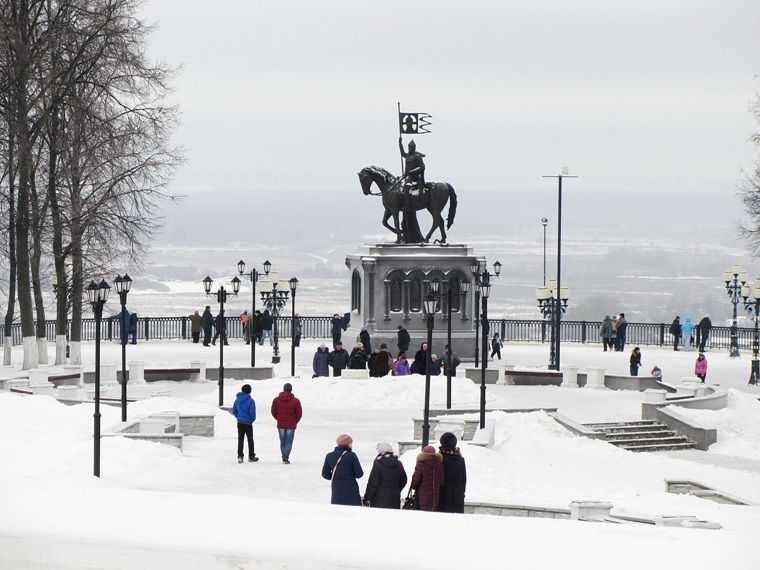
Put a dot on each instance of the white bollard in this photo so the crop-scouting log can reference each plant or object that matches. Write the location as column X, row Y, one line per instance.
column 67, row 392
column 38, row 376
column 595, row 378
column 137, row 372
column 107, row 373
column 569, row 376
column 201, row 365
column 654, row 396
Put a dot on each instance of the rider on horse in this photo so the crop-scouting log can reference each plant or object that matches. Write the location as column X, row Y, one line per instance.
column 414, row 170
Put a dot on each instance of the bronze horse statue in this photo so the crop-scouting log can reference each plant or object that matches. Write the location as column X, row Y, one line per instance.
column 433, row 199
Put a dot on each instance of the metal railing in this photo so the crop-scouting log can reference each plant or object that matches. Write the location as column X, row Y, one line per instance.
column 510, row 330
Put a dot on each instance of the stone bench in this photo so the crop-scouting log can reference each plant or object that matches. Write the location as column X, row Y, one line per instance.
column 171, row 374
column 532, row 378
column 475, row 374
column 65, row 380
column 465, row 431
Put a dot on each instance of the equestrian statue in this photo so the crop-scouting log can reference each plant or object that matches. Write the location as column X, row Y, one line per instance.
column 410, row 194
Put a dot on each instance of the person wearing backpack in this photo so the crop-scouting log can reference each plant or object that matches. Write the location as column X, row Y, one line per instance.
column 358, row 358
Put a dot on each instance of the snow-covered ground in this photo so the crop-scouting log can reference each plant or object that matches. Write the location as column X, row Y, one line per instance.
column 157, row 507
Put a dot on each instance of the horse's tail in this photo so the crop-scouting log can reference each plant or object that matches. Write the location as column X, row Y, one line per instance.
column 452, row 206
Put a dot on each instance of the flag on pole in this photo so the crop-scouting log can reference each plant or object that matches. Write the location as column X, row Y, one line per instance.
column 413, row 123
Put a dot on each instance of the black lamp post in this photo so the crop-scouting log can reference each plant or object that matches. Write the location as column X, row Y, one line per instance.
column 293, row 285
column 429, row 306
column 557, row 320
column 97, row 295
column 479, row 278
column 123, row 285
column 735, row 278
column 544, row 222
column 552, row 303
column 464, row 288
column 752, row 305
column 253, row 275
column 221, row 297
column 274, row 299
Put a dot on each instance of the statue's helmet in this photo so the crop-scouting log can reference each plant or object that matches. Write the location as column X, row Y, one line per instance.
column 412, row 146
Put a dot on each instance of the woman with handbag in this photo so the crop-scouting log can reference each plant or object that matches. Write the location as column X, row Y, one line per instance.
column 428, row 479
column 386, row 480
column 342, row 469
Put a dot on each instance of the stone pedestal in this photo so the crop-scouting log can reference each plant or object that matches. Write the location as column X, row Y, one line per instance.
column 654, row 396
column 107, row 373
column 595, row 378
column 200, row 365
column 387, row 291
column 137, row 372
column 38, row 377
column 569, row 376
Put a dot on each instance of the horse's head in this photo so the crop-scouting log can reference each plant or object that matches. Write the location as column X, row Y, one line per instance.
column 365, row 179
column 379, row 176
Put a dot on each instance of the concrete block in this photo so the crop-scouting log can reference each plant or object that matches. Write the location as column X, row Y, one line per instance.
column 354, row 374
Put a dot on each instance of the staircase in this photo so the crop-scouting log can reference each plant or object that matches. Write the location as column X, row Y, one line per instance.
column 642, row 436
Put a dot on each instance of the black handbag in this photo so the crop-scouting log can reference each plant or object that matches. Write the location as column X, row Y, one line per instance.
column 410, row 503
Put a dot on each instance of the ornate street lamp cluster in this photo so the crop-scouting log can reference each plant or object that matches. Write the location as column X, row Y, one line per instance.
column 751, row 299
column 275, row 299
column 221, row 297
column 735, row 278
column 97, row 295
column 482, row 281
column 552, row 302
column 123, row 285
column 253, row 275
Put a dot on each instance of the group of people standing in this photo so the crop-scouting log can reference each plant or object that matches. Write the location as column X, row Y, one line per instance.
column 257, row 327
column 684, row 333
column 613, row 332
column 439, row 479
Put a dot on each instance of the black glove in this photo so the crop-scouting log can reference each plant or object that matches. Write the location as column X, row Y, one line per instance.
column 365, row 502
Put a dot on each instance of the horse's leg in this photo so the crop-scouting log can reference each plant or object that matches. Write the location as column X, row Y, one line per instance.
column 395, row 230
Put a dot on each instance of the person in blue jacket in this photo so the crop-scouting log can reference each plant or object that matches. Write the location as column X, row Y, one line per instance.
column 686, row 329
column 244, row 410
column 342, row 469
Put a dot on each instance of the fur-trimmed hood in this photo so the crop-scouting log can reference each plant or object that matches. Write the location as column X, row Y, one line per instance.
column 428, row 456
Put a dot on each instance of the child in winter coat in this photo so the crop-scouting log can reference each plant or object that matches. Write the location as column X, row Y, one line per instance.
column 401, row 368
column 700, row 367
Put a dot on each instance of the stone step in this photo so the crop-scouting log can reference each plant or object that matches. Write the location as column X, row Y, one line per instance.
column 617, row 435
column 642, row 436
column 660, row 447
column 648, row 441
column 622, row 425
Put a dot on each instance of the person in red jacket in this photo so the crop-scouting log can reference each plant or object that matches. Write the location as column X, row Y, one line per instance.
column 428, row 479
column 286, row 409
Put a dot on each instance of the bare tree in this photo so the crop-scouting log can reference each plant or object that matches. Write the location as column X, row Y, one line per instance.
column 749, row 190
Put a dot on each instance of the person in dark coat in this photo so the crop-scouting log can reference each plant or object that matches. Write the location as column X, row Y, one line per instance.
column 382, row 363
column 297, row 330
column 257, row 316
column 419, row 366
column 450, row 360
column 319, row 364
column 196, row 324
column 605, row 332
column 338, row 359
column 403, row 340
column 358, row 358
column 286, row 409
column 267, row 321
column 208, row 326
column 133, row 327
column 635, row 361
column 342, row 469
column 675, row 330
column 221, row 328
column 703, row 329
column 386, row 480
column 365, row 340
column 435, row 365
column 621, row 326
column 336, row 329
column 428, row 479
column 454, row 475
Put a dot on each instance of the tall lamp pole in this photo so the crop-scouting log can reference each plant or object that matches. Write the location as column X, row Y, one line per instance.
column 429, row 305
column 123, row 285
column 253, row 275
column 482, row 291
column 544, row 222
column 752, row 306
column 464, row 288
column 274, row 299
column 221, row 297
column 97, row 295
column 557, row 319
column 551, row 309
column 293, row 285
column 735, row 278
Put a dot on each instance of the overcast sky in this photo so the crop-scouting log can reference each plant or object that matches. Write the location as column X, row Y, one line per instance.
column 645, row 95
